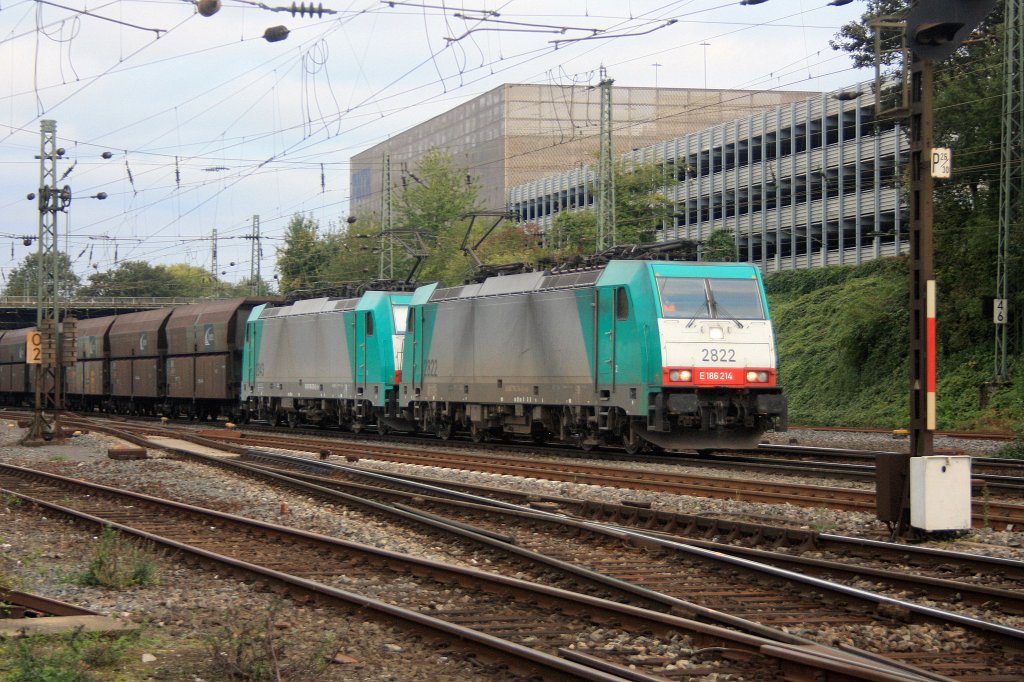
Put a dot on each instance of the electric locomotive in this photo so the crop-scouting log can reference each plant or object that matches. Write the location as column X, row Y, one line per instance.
column 324, row 361
column 667, row 355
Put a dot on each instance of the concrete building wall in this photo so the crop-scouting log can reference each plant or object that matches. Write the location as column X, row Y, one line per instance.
column 516, row 133
column 805, row 184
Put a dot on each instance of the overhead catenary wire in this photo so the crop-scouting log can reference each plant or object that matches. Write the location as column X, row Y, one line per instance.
column 288, row 159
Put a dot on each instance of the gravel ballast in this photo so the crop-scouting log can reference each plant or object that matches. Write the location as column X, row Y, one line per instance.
column 190, row 605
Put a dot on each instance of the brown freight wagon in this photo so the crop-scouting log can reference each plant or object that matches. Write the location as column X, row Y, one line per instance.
column 88, row 380
column 15, row 387
column 138, row 347
column 204, row 357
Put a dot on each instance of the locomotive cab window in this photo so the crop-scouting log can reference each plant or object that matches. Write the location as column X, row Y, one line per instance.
column 400, row 313
column 621, row 304
column 698, row 298
column 736, row 299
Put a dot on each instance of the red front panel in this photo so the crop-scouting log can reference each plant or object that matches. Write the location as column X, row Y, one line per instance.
column 719, row 376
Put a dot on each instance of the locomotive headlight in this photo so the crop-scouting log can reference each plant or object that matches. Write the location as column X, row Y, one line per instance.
column 751, row 376
column 680, row 375
column 717, row 333
column 757, row 377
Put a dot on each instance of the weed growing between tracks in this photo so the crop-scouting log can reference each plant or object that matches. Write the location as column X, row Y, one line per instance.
column 252, row 648
column 120, row 563
column 73, row 657
column 1014, row 449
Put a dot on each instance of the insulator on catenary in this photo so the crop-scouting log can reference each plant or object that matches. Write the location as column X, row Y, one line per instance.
column 208, row 8
column 301, row 9
column 275, row 34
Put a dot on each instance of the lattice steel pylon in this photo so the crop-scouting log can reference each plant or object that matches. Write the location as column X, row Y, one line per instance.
column 1011, row 176
column 213, row 263
column 48, row 374
column 387, row 244
column 256, row 253
column 606, row 170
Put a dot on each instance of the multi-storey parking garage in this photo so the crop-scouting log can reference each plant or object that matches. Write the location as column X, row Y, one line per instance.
column 806, row 184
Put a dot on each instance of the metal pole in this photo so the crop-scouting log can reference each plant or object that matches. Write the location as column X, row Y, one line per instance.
column 606, row 170
column 213, row 263
column 48, row 372
column 387, row 251
column 255, row 276
column 1011, row 180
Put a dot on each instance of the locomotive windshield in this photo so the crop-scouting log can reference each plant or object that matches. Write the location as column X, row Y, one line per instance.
column 710, row 298
column 400, row 313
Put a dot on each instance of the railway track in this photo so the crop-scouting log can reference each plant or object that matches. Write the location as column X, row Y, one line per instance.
column 662, row 565
column 772, row 609
column 991, row 476
column 535, row 627
column 994, row 513
column 936, row 574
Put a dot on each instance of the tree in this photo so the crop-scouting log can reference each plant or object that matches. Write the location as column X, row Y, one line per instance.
column 24, row 279
column 641, row 208
column 138, row 278
column 435, row 195
column 858, row 39
column 573, row 232
column 301, row 260
column 719, row 247
column 433, row 202
column 968, row 89
column 353, row 254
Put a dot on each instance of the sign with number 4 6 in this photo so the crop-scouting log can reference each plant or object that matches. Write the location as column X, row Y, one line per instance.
column 999, row 311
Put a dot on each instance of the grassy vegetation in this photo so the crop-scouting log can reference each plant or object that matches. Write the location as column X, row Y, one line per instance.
column 74, row 657
column 843, row 345
column 119, row 563
column 251, row 648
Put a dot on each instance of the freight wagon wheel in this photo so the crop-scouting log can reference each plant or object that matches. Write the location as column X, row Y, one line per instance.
column 382, row 428
column 293, row 420
column 444, row 430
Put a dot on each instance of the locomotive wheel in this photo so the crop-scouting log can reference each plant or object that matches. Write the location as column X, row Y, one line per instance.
column 632, row 442
column 477, row 434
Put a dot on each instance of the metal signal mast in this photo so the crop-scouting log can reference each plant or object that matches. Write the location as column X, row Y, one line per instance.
column 45, row 349
column 606, row 170
column 255, row 274
column 1011, row 178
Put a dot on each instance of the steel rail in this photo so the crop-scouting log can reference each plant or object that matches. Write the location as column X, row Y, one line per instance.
column 814, row 660
column 1006, row 635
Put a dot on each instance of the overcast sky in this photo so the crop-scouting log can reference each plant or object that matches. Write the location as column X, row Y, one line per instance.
column 210, row 124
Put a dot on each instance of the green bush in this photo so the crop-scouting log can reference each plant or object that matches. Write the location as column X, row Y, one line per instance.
column 74, row 657
column 843, row 347
column 249, row 648
column 119, row 563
